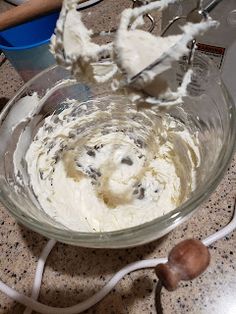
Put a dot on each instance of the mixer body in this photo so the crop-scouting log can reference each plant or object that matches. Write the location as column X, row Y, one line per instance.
column 220, row 43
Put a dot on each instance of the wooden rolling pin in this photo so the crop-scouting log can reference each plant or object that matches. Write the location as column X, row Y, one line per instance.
column 28, row 11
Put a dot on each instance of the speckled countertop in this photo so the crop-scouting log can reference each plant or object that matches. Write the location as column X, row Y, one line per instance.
column 72, row 273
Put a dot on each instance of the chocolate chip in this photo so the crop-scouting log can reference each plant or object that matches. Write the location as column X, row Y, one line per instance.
column 141, row 193
column 62, row 147
column 91, row 172
column 56, row 158
column 93, row 176
column 139, row 143
column 91, row 153
column 56, row 119
column 95, row 171
column 71, row 135
column 127, row 161
column 97, row 147
column 49, row 129
column 41, row 174
column 50, row 146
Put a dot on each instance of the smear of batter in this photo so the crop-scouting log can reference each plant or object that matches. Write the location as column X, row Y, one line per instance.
column 102, row 165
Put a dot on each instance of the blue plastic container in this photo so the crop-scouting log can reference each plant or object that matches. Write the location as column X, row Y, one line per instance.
column 27, row 45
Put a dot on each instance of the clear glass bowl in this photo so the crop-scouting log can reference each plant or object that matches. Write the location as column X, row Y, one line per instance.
column 208, row 109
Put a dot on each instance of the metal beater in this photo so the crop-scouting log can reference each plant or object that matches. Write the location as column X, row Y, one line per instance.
column 58, row 48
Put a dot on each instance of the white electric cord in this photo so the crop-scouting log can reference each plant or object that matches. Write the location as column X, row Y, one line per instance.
column 223, row 232
column 44, row 309
column 39, row 272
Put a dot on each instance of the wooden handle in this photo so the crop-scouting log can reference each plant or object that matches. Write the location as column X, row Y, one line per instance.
column 28, row 11
column 186, row 261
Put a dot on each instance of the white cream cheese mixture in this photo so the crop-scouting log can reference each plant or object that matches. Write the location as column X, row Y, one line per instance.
column 96, row 169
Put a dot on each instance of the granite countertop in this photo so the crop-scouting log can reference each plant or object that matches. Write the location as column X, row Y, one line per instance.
column 72, row 273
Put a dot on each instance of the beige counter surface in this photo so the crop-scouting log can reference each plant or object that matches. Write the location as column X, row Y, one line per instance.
column 72, row 274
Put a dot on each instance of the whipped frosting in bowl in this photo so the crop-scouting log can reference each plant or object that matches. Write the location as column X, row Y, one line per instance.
column 199, row 130
column 103, row 165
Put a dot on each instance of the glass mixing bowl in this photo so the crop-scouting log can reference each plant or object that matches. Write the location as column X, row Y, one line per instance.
column 208, row 110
